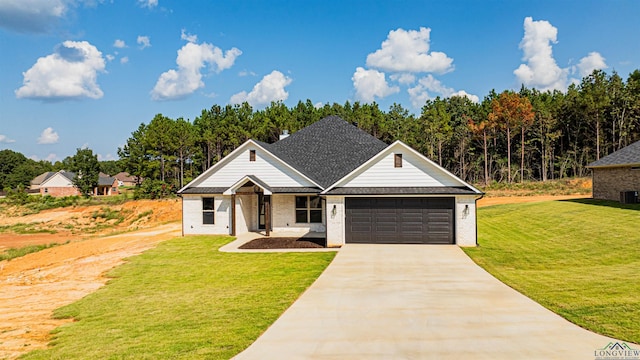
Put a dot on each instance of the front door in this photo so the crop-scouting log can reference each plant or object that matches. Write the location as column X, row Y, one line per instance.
column 261, row 212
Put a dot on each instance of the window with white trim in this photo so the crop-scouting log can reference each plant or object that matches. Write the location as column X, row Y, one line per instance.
column 308, row 209
column 208, row 211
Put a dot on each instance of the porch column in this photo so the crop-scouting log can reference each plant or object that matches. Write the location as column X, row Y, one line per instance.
column 233, row 215
column 267, row 214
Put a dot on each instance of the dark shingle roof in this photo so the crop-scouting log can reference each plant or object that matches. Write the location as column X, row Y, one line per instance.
column 42, row 177
column 327, row 150
column 628, row 156
column 105, row 180
column 433, row 190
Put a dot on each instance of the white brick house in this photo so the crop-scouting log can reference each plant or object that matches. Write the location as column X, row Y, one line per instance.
column 335, row 179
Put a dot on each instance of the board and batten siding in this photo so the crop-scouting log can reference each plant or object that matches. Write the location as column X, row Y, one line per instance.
column 414, row 172
column 268, row 169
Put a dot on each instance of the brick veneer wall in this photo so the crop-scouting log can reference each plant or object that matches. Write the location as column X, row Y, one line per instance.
column 60, row 191
column 609, row 182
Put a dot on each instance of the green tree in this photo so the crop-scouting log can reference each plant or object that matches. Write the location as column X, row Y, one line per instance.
column 595, row 102
column 185, row 143
column 134, row 157
column 87, row 169
column 510, row 111
column 159, row 140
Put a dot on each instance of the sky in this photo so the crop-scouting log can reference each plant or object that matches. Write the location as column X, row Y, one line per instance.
column 87, row 73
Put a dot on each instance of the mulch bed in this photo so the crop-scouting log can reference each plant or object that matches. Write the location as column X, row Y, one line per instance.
column 284, row 243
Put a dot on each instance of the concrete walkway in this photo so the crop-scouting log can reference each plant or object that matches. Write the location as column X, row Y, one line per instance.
column 417, row 302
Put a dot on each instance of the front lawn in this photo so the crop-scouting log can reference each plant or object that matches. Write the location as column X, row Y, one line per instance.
column 581, row 259
column 184, row 299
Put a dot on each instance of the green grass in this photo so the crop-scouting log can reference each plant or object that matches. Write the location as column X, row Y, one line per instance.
column 581, row 259
column 22, row 228
column 13, row 253
column 109, row 214
column 184, row 300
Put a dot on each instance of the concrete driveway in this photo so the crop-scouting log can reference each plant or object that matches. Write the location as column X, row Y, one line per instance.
column 418, row 302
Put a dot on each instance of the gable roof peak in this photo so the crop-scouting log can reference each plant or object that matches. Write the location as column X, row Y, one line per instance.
column 328, row 149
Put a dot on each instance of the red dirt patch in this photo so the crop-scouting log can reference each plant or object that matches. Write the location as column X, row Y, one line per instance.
column 32, row 286
column 284, row 243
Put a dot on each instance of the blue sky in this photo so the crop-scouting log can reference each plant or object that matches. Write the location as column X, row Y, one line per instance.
column 77, row 73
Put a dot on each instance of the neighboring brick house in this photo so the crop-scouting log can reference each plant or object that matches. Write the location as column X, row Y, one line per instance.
column 107, row 186
column 59, row 184
column 126, row 179
column 616, row 173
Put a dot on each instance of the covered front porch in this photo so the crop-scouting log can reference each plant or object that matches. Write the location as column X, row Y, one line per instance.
column 265, row 210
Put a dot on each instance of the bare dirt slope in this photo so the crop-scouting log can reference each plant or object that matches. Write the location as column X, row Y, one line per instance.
column 31, row 287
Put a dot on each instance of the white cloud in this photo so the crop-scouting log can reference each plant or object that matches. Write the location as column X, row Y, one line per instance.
column 175, row 84
column 188, row 37
column 541, row 70
column 270, row 88
column 318, row 105
column 148, row 3
column 408, row 51
column 124, row 60
column 593, row 61
column 48, row 136
column 109, row 57
column 428, row 85
column 31, row 15
column 462, row 93
column 370, row 84
column 403, row 78
column 143, row 41
column 246, row 73
column 51, row 157
column 119, row 44
column 70, row 72
column 5, row 139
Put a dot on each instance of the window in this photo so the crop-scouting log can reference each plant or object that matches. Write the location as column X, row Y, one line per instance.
column 252, row 155
column 208, row 211
column 397, row 160
column 46, row 190
column 308, row 209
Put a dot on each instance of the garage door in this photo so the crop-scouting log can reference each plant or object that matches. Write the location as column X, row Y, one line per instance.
column 400, row 220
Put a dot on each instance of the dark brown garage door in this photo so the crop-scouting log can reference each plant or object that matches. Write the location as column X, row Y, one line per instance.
column 400, row 220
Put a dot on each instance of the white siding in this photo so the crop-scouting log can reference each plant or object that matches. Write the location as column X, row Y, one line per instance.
column 466, row 220
column 415, row 172
column 57, row 180
column 266, row 168
column 192, row 215
column 335, row 221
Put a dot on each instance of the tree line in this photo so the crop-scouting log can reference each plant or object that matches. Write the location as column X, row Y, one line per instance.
column 509, row 136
